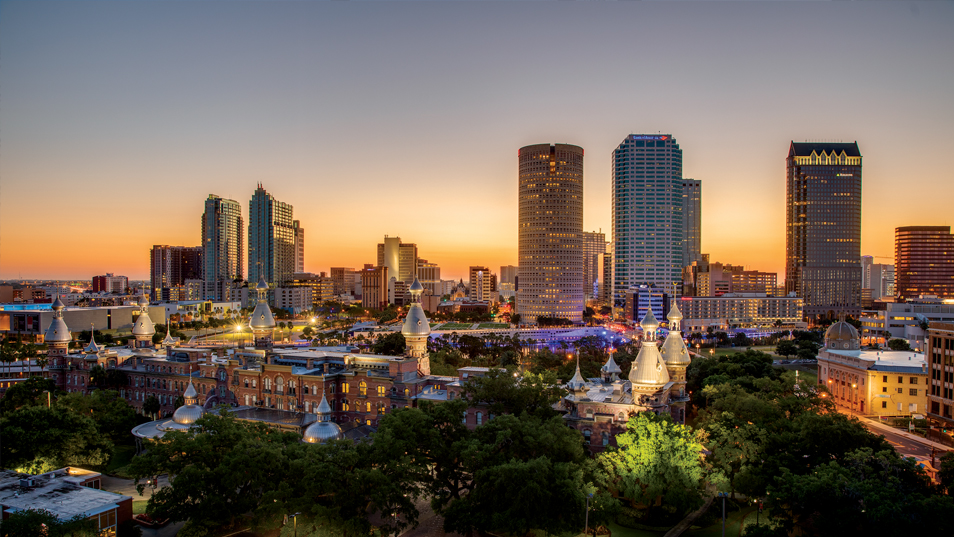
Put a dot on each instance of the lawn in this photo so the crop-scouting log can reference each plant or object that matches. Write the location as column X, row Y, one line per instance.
column 122, row 456
column 456, row 326
column 502, row 326
column 139, row 506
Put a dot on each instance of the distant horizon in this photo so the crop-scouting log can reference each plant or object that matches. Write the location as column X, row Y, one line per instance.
column 404, row 119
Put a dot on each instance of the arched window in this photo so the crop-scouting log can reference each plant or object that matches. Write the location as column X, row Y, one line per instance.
column 246, row 383
column 344, row 406
column 345, row 388
column 363, row 389
column 279, row 384
column 307, row 404
column 605, row 438
column 246, row 399
column 381, row 391
column 332, row 388
column 291, row 387
column 407, row 392
column 305, row 389
column 480, row 418
column 586, row 436
column 368, row 407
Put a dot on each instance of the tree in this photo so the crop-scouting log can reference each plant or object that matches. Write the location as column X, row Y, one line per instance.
column 505, row 393
column 786, row 348
column 946, row 472
column 33, row 522
column 113, row 416
column 515, row 318
column 897, row 344
column 391, row 345
column 38, row 439
column 151, row 406
column 31, row 391
column 657, row 459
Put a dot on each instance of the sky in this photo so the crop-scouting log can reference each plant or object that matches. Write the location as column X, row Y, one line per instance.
column 117, row 119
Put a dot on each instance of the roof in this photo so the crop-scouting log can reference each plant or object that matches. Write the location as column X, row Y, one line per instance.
column 57, row 492
column 805, row 149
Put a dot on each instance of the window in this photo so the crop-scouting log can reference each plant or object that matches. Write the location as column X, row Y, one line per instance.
column 912, row 407
column 899, row 407
column 913, row 391
column 363, row 389
column 344, row 388
column 605, row 438
column 913, row 380
column 900, row 380
column 884, row 404
column 480, row 418
column 900, row 390
column 884, row 389
column 586, row 437
column 368, row 407
column 381, row 391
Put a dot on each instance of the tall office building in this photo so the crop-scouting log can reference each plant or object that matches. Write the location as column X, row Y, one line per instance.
column 691, row 221
column 429, row 274
column 482, row 284
column 823, row 227
column 343, row 281
column 550, row 232
column 171, row 266
column 299, row 246
column 374, row 287
column 222, row 247
column 400, row 258
column 924, row 261
column 878, row 278
column 594, row 247
column 508, row 282
column 271, row 239
column 648, row 214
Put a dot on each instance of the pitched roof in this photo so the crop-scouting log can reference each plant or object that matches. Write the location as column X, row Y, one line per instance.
column 804, row 149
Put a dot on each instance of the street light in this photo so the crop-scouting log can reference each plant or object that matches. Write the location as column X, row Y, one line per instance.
column 723, row 495
column 586, row 528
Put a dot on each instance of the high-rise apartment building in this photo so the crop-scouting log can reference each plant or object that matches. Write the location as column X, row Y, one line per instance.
column 400, row 258
column 299, row 246
column 823, row 227
column 170, row 267
column 343, row 281
column 429, row 274
column 272, row 252
column 374, row 287
column 550, row 232
column 648, row 214
column 924, row 261
column 222, row 247
column 691, row 221
column 594, row 247
column 482, row 284
column 110, row 283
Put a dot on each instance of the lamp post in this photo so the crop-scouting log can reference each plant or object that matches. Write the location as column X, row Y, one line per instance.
column 723, row 495
column 586, row 527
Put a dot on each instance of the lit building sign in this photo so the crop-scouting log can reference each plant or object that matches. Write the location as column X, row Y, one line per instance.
column 649, row 137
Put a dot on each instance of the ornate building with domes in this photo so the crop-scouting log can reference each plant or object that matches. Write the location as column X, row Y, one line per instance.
column 600, row 408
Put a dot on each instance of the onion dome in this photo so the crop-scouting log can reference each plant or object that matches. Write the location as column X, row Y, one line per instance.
column 648, row 369
column 143, row 302
column 416, row 323
column 58, row 332
column 674, row 316
column 649, row 324
column 674, row 351
column 143, row 326
column 188, row 413
column 262, row 318
column 324, row 429
column 842, row 335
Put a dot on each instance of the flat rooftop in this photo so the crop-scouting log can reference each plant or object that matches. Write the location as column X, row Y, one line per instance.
column 886, row 360
column 56, row 492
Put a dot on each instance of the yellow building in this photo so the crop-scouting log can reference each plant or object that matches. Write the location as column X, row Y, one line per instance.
column 871, row 382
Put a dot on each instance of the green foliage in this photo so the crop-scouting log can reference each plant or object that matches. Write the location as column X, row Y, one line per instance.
column 392, row 344
column 504, row 393
column 34, row 522
column 114, row 418
column 898, row 344
column 786, row 348
column 27, row 393
column 37, row 439
column 657, row 459
column 742, row 368
column 946, row 471
column 151, row 406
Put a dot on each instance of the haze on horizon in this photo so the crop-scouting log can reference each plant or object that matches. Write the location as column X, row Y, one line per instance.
column 119, row 119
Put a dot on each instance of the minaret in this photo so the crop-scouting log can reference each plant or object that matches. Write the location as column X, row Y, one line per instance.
column 92, row 348
column 417, row 330
column 262, row 321
column 677, row 359
column 577, row 384
column 648, row 373
column 57, row 337
column 610, row 370
column 143, row 329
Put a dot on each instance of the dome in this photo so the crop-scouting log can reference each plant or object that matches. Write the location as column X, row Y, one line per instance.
column 649, row 322
column 92, row 348
column 416, row 323
column 143, row 326
column 416, row 287
column 187, row 414
column 143, row 302
column 610, row 366
column 58, row 332
column 674, row 351
column 648, row 370
column 843, row 336
column 674, row 314
column 324, row 429
column 262, row 318
column 262, row 284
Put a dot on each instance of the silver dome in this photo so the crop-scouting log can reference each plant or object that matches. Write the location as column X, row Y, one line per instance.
column 649, row 322
column 262, row 318
column 674, row 351
column 58, row 332
column 416, row 323
column 187, row 414
column 321, row 432
column 648, row 369
column 674, row 314
column 143, row 326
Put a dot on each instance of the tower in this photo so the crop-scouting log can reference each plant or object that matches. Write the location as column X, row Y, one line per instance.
column 262, row 322
column 550, row 232
column 676, row 356
column 648, row 374
column 823, row 227
column 222, row 252
column 417, row 330
column 647, row 214
column 271, row 238
column 143, row 329
column 924, row 261
column 57, row 337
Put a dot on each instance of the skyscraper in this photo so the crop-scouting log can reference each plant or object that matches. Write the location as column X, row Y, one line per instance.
column 222, row 231
column 924, row 261
column 271, row 239
column 594, row 246
column 877, row 277
column 550, row 232
column 482, row 284
column 400, row 258
column 647, row 214
column 171, row 266
column 691, row 221
column 299, row 246
column 823, row 227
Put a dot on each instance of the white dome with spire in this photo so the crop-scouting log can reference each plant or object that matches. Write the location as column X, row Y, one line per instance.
column 649, row 322
column 416, row 323
column 577, row 382
column 674, row 351
column 188, row 413
column 143, row 326
column 58, row 332
column 648, row 369
column 262, row 318
column 92, row 348
column 323, row 430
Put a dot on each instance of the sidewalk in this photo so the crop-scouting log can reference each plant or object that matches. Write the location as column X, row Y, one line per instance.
column 877, row 424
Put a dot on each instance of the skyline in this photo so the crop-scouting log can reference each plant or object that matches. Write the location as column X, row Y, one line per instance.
column 349, row 112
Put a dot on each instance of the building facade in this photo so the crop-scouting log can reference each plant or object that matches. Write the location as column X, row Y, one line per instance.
column 647, row 213
column 222, row 246
column 940, row 354
column 692, row 220
column 823, row 227
column 399, row 257
column 750, row 310
column 924, row 261
column 482, row 285
column 299, row 246
column 594, row 250
column 550, row 242
column 170, row 267
column 110, row 283
column 272, row 232
column 343, row 279
column 374, row 287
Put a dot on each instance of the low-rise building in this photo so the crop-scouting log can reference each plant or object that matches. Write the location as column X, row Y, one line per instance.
column 871, row 382
column 940, row 353
column 746, row 310
column 904, row 320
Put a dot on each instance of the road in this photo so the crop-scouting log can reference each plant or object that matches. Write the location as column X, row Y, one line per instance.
column 907, row 444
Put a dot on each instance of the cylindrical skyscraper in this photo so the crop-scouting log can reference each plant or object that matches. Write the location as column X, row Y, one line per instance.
column 551, row 232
